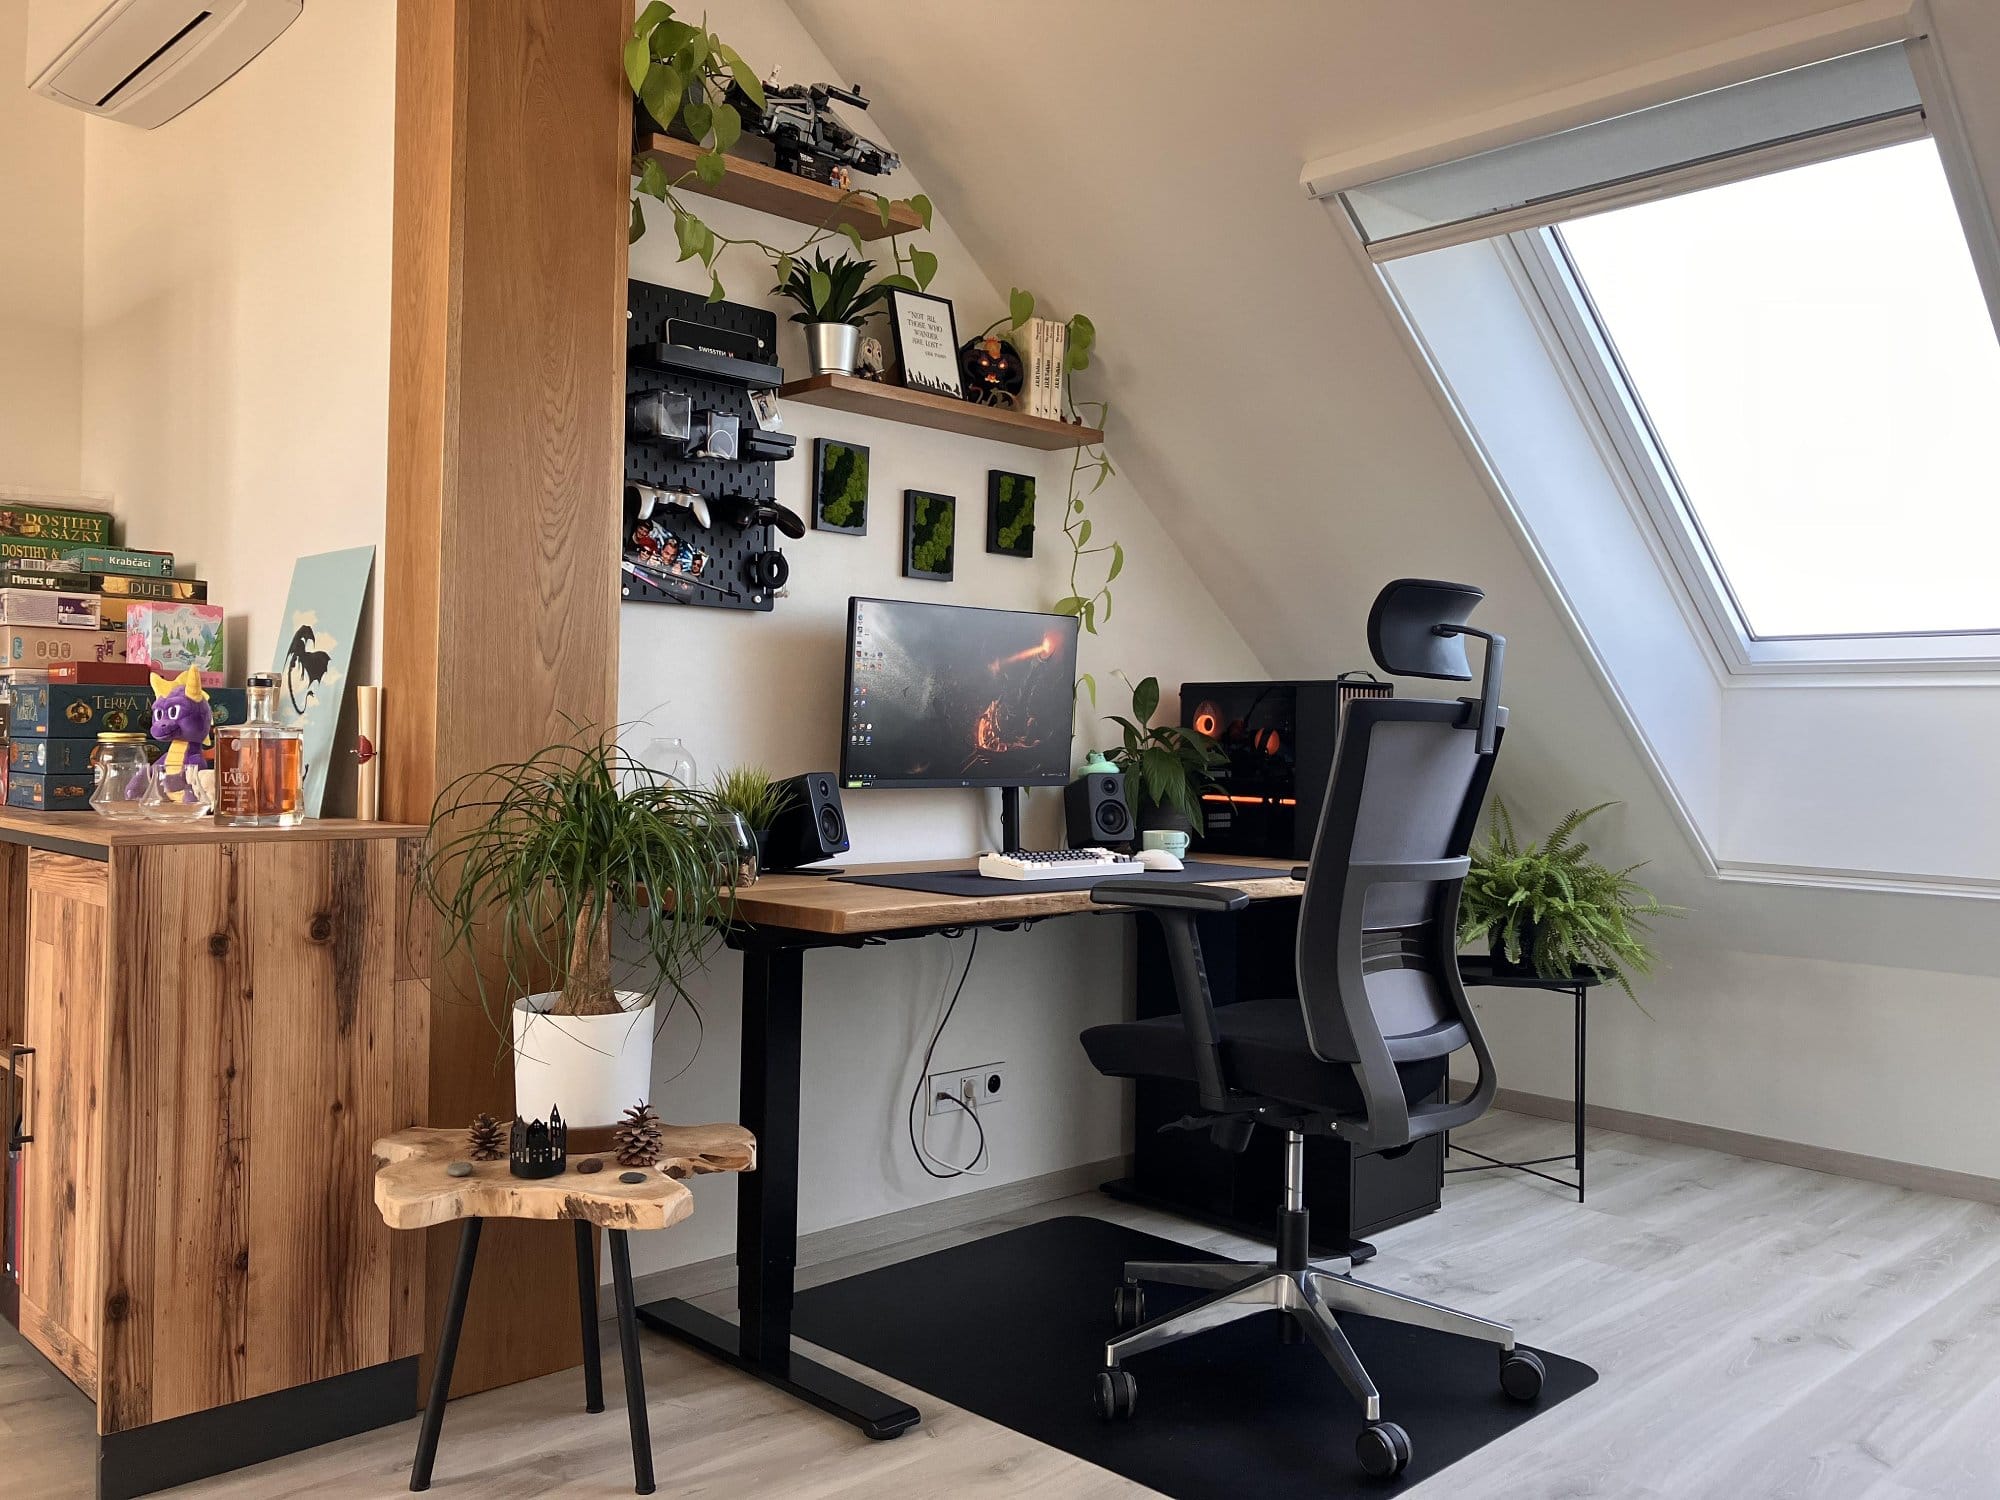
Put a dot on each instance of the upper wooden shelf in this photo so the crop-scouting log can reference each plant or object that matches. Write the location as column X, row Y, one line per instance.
column 895, row 403
column 785, row 194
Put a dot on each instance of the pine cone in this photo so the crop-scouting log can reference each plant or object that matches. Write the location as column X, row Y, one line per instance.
column 636, row 1138
column 487, row 1140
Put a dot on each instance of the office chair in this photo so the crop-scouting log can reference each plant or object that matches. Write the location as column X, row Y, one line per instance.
column 1361, row 1052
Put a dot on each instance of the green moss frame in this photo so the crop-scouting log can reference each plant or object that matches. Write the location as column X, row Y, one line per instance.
column 930, row 525
column 1010, row 513
column 840, row 487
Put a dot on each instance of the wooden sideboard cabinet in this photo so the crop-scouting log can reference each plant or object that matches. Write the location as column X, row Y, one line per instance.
column 206, row 1029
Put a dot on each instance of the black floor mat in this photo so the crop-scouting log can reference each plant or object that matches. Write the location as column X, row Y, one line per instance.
column 1012, row 1328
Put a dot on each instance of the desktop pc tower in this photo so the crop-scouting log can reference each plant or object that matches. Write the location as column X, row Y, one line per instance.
column 1278, row 740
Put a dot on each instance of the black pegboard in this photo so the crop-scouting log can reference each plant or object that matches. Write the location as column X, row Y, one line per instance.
column 648, row 462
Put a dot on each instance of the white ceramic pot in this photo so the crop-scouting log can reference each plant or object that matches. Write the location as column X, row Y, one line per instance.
column 592, row 1068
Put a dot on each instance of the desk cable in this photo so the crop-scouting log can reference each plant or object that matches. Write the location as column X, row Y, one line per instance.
column 943, row 1170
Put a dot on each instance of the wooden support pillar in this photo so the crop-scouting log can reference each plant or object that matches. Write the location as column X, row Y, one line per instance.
column 506, row 431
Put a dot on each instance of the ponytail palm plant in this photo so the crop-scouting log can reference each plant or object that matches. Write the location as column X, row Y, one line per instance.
column 537, row 862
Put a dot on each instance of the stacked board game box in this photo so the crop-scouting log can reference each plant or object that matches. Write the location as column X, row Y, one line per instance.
column 85, row 622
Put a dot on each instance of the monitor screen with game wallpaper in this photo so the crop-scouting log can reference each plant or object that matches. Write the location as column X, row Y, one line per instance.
column 942, row 695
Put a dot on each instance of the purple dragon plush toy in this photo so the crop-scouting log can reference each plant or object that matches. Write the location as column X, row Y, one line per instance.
column 182, row 717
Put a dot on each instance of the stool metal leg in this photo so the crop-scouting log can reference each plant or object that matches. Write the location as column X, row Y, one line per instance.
column 586, row 1303
column 635, row 1376
column 447, row 1354
column 1581, row 1006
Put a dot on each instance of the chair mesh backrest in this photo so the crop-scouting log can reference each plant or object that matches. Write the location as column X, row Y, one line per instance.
column 1407, row 785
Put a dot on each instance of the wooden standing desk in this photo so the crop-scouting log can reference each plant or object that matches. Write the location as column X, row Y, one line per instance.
column 777, row 922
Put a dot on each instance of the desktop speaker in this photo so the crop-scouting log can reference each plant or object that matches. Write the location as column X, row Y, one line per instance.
column 1277, row 740
column 1096, row 812
column 811, row 829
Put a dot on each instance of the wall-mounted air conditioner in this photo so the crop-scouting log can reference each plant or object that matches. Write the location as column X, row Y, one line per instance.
column 141, row 62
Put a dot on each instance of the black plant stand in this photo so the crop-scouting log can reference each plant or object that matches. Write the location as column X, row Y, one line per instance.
column 593, row 1378
column 1476, row 969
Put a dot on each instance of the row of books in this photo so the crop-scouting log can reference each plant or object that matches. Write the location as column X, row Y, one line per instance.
column 84, row 625
column 1043, row 345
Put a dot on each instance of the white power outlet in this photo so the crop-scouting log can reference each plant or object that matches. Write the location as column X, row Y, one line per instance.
column 982, row 1087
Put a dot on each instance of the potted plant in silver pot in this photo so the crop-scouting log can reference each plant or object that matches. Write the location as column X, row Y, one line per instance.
column 533, row 867
column 832, row 296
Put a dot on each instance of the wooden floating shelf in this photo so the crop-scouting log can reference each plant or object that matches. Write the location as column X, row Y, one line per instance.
column 895, row 403
column 785, row 194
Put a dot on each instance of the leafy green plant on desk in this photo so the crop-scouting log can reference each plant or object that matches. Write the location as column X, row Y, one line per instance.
column 752, row 794
column 1167, row 764
column 1548, row 908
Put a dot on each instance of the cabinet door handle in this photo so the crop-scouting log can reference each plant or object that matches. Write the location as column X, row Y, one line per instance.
column 17, row 1136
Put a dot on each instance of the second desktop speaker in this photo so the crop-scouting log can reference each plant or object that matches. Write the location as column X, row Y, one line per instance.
column 1095, row 811
column 811, row 828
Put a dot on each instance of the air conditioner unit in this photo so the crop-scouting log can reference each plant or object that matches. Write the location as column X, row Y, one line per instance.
column 141, row 62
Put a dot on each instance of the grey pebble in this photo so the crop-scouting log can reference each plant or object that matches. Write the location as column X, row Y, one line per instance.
column 590, row 1164
column 459, row 1169
column 631, row 1176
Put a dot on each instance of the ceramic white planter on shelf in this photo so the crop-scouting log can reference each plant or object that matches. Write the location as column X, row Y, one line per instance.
column 592, row 1068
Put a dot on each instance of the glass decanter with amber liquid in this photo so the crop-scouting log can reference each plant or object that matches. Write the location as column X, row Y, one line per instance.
column 260, row 764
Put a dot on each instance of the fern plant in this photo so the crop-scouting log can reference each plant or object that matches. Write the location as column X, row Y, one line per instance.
column 1548, row 906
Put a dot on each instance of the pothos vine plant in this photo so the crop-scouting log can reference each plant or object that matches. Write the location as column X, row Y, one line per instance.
column 689, row 79
column 1089, row 596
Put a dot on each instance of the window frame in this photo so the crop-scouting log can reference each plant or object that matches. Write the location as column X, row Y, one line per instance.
column 1556, row 295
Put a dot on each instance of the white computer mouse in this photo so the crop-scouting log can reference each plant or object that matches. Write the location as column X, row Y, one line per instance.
column 1157, row 859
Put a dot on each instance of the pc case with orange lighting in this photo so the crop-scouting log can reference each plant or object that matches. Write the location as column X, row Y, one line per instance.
column 1278, row 739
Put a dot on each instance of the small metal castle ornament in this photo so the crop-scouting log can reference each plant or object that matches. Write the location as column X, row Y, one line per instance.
column 538, row 1148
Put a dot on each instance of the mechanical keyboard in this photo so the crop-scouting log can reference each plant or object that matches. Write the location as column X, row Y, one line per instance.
column 1057, row 864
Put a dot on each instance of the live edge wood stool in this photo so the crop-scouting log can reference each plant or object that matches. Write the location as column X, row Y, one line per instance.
column 413, row 1191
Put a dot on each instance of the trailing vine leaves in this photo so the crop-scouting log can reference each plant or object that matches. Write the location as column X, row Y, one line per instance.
column 683, row 74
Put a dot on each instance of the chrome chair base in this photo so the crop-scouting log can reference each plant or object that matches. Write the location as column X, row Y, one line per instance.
column 1314, row 1299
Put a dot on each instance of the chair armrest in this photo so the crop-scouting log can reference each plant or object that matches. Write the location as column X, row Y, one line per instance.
column 1299, row 872
column 1167, row 895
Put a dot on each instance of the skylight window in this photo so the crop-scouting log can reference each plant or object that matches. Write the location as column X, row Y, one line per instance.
column 1817, row 366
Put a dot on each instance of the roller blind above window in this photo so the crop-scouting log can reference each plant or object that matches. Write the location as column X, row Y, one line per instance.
column 1651, row 153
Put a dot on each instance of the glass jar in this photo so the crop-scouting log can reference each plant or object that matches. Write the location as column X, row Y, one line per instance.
column 671, row 759
column 736, row 850
column 122, row 767
column 177, row 796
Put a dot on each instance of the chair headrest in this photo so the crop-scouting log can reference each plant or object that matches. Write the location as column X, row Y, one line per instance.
column 1402, row 628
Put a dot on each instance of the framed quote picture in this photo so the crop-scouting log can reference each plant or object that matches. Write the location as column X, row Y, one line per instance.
column 929, row 523
column 926, row 342
column 840, row 487
column 1010, row 513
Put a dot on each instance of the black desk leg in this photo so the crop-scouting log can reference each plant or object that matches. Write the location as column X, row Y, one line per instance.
column 767, row 1217
column 586, row 1306
column 447, row 1355
column 635, row 1374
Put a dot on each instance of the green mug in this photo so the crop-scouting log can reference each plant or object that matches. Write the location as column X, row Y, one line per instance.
column 1173, row 840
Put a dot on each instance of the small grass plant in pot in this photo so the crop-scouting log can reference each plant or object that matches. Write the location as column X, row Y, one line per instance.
column 832, row 297
column 753, row 795
column 1167, row 766
column 1547, row 908
column 534, row 867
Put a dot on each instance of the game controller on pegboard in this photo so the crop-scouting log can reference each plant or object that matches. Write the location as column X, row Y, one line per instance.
column 701, row 524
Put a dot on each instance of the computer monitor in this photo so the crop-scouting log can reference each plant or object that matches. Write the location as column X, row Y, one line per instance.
column 945, row 695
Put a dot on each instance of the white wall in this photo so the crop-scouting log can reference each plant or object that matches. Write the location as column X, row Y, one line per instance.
column 236, row 316
column 767, row 688
column 1288, row 439
column 41, row 276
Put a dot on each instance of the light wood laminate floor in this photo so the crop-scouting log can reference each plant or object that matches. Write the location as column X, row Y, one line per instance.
column 1759, row 1331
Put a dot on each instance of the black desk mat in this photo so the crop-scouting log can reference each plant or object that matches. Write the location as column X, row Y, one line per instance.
column 1225, row 1415
column 972, row 883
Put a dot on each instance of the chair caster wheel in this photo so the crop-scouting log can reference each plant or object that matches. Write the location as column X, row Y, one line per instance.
column 1115, row 1394
column 1384, row 1450
column 1128, row 1307
column 1521, row 1374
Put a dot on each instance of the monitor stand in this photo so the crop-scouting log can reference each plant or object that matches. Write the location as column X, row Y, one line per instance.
column 1010, row 818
